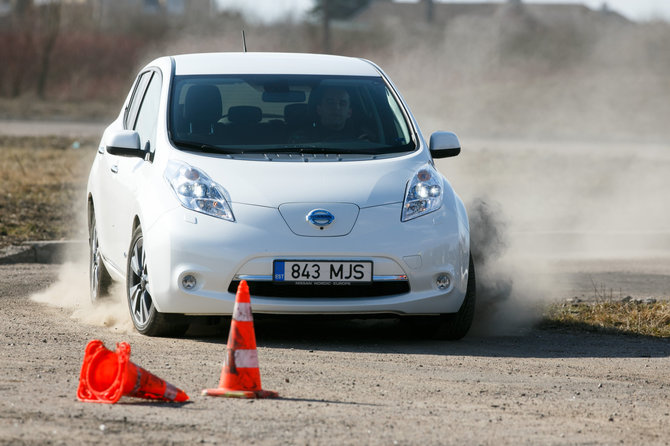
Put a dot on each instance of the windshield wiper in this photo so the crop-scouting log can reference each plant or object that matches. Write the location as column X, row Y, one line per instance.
column 205, row 148
column 320, row 150
column 300, row 150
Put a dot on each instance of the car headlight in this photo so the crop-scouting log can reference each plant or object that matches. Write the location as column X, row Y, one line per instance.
column 197, row 191
column 423, row 195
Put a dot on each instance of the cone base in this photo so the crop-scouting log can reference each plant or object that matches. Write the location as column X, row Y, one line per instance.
column 243, row 394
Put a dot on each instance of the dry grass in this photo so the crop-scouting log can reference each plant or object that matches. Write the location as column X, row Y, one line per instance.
column 630, row 317
column 42, row 188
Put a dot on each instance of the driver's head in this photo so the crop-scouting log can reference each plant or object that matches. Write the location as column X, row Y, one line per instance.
column 334, row 108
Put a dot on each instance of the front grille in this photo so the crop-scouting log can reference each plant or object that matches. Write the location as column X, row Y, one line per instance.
column 273, row 289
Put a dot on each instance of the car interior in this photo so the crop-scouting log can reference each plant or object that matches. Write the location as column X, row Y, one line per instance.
column 239, row 113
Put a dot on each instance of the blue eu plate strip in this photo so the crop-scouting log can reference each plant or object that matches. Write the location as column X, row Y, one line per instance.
column 279, row 270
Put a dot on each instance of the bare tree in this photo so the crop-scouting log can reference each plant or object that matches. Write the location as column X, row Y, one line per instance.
column 325, row 24
column 328, row 10
column 21, row 46
column 430, row 10
column 51, row 16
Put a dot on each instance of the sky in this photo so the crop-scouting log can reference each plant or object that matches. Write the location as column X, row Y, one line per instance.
column 269, row 10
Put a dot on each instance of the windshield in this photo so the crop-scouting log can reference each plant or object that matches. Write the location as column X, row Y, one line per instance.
column 287, row 113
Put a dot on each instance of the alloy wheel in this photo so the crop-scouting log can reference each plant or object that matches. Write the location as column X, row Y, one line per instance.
column 139, row 296
column 95, row 265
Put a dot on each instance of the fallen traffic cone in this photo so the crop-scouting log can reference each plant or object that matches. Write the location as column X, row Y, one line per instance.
column 107, row 375
column 241, row 377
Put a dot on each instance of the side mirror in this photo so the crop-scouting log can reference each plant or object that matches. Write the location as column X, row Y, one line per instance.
column 444, row 145
column 125, row 143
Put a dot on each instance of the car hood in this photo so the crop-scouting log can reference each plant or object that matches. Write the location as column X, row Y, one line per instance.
column 272, row 183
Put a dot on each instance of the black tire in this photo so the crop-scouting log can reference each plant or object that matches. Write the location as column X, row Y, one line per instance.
column 454, row 326
column 99, row 278
column 146, row 319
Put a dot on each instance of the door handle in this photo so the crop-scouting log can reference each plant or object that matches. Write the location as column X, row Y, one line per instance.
column 114, row 169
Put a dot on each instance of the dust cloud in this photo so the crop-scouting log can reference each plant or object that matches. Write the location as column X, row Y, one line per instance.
column 565, row 153
column 71, row 292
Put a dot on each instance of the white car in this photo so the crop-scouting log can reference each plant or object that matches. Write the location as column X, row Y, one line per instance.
column 305, row 175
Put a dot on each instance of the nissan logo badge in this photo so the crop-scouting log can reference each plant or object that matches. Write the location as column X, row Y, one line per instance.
column 320, row 218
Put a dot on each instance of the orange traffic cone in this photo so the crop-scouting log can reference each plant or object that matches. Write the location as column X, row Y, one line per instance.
column 240, row 377
column 107, row 375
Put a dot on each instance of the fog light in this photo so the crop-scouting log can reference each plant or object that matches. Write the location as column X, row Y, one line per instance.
column 443, row 281
column 188, row 282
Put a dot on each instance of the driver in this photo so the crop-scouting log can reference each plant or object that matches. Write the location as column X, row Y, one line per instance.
column 333, row 119
column 334, row 110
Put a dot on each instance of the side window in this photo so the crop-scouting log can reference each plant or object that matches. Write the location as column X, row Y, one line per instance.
column 138, row 94
column 147, row 117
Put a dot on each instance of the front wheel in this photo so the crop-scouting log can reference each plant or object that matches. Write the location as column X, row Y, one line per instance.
column 146, row 318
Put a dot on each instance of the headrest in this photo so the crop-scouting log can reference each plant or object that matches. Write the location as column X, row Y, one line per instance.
column 244, row 114
column 203, row 102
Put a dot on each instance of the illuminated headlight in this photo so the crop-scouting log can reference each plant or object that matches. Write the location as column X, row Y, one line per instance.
column 424, row 194
column 197, row 191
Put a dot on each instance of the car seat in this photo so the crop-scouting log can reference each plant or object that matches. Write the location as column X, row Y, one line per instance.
column 202, row 109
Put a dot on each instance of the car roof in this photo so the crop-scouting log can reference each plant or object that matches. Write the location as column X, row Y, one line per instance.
column 272, row 63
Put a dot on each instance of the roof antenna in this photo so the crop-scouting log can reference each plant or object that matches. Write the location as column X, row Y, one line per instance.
column 244, row 41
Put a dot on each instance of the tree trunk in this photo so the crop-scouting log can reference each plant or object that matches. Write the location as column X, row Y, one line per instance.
column 325, row 17
column 52, row 18
column 23, row 51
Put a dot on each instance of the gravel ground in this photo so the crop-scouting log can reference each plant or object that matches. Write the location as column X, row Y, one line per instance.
column 340, row 382
column 372, row 382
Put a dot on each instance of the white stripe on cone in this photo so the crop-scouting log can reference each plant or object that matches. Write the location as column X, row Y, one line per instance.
column 242, row 312
column 246, row 359
column 170, row 391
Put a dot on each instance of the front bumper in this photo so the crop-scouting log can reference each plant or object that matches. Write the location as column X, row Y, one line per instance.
column 218, row 253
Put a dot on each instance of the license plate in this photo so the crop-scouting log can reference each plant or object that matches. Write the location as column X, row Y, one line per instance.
column 319, row 272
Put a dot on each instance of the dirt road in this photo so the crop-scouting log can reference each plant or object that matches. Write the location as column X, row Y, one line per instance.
column 363, row 382
column 339, row 382
column 18, row 127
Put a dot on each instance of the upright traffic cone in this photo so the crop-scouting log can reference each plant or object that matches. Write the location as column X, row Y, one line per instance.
column 107, row 375
column 241, row 377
